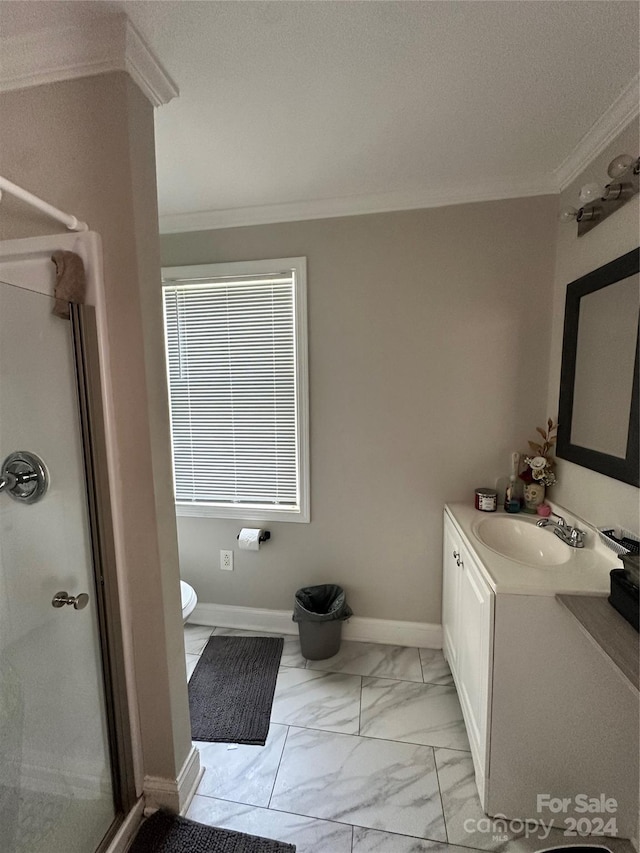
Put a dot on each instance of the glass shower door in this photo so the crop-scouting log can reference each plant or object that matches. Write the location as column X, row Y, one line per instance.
column 56, row 788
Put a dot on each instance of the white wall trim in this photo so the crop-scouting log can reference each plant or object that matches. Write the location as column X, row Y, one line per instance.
column 421, row 635
column 360, row 628
column 357, row 205
column 622, row 111
column 110, row 43
column 174, row 794
column 249, row 618
column 189, row 779
column 147, row 71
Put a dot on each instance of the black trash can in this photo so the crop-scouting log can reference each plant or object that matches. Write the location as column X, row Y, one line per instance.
column 320, row 612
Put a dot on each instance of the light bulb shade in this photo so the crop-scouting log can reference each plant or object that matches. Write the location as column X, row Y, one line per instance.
column 568, row 214
column 591, row 192
column 620, row 165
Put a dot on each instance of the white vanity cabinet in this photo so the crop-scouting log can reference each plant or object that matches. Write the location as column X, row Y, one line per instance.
column 467, row 623
column 450, row 592
column 546, row 713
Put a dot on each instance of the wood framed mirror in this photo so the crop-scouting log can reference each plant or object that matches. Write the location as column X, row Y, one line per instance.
column 598, row 411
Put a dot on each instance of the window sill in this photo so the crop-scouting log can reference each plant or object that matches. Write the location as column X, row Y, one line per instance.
column 245, row 512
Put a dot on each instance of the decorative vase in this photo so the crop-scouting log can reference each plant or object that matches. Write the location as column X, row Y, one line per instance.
column 533, row 496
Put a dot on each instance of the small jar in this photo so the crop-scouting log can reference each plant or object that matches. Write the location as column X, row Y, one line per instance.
column 486, row 500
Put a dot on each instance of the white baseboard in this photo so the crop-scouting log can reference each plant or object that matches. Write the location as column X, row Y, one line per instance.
column 249, row 618
column 388, row 631
column 188, row 781
column 421, row 635
column 173, row 794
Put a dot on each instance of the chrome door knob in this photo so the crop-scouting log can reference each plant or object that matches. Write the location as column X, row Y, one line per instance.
column 79, row 602
column 24, row 477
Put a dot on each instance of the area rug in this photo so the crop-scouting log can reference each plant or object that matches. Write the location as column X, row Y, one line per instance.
column 167, row 833
column 231, row 689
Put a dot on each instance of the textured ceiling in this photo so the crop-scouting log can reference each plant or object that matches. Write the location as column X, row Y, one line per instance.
column 296, row 102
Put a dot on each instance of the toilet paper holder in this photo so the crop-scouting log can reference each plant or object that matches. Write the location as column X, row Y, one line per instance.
column 266, row 534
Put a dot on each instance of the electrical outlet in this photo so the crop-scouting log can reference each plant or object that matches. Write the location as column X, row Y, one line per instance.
column 226, row 561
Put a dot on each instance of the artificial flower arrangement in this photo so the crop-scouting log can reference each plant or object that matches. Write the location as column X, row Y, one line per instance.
column 539, row 464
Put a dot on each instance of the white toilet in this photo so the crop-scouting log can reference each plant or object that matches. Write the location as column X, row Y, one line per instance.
column 189, row 599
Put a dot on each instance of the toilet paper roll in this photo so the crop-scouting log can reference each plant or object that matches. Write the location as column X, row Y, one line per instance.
column 249, row 539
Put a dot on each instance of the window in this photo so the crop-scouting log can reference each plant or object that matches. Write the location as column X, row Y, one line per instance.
column 236, row 338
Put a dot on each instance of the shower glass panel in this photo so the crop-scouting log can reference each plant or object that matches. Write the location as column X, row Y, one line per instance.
column 56, row 790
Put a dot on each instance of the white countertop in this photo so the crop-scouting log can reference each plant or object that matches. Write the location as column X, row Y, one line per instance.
column 585, row 572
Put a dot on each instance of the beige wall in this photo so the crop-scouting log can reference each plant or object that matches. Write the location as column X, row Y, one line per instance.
column 87, row 147
column 599, row 499
column 429, row 337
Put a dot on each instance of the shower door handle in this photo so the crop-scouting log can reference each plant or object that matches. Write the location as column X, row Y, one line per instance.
column 79, row 602
column 24, row 477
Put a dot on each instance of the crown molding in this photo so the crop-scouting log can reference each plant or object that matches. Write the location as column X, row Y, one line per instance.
column 145, row 68
column 207, row 220
column 622, row 112
column 111, row 43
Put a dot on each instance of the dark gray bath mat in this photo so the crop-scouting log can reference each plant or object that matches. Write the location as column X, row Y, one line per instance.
column 166, row 833
column 231, row 689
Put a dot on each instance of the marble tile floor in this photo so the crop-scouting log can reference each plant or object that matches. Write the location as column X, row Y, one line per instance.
column 366, row 753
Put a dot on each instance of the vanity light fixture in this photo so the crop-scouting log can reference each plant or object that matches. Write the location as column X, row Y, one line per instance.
column 601, row 200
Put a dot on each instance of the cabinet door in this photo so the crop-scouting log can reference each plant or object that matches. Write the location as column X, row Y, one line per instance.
column 450, row 593
column 475, row 655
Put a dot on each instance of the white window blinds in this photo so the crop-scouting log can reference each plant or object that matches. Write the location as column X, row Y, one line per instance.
column 232, row 353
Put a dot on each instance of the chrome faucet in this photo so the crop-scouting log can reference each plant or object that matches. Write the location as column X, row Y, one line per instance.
column 572, row 536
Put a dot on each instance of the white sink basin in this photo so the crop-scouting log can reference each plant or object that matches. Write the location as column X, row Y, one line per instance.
column 520, row 540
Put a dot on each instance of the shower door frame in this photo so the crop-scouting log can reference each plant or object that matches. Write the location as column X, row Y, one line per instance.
column 92, row 392
column 94, row 448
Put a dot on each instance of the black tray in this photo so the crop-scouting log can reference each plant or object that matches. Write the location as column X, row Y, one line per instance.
column 624, row 596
